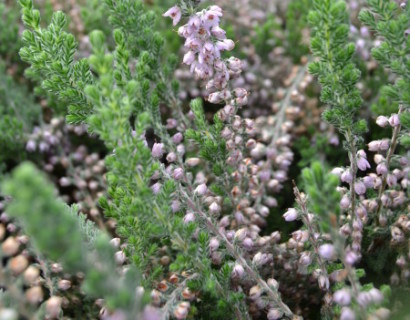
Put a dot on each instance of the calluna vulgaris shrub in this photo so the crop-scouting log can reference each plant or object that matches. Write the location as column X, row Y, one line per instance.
column 185, row 159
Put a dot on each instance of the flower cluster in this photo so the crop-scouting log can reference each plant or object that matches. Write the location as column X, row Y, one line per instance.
column 206, row 41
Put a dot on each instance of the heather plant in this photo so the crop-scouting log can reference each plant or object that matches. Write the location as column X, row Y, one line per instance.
column 195, row 194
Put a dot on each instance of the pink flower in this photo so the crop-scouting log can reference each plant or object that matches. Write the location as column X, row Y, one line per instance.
column 291, row 215
column 345, row 202
column 157, row 150
column 342, row 297
column 189, row 57
column 394, row 120
column 382, row 121
column 362, row 162
column 360, row 188
column 225, row 45
column 174, row 13
column 346, row 176
column 327, row 251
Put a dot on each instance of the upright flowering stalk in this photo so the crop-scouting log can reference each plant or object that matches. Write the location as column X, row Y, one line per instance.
column 205, row 43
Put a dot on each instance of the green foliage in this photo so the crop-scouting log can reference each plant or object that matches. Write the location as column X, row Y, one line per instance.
column 320, row 186
column 9, row 38
column 390, row 22
column 50, row 52
column 18, row 114
column 334, row 68
column 264, row 39
column 296, row 27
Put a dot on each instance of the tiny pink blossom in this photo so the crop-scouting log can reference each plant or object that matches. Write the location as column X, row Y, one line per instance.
column 342, row 297
column 291, row 214
column 382, row 121
column 174, row 13
column 327, row 251
column 360, row 188
column 394, row 120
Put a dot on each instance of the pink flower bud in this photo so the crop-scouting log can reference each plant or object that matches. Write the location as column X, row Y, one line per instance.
column 214, row 244
column 225, row 45
column 214, row 208
column 394, row 120
column 381, row 169
column 342, row 297
column 391, row 180
column 382, row 121
column 238, row 271
column 368, row 181
column 178, row 174
column 360, row 188
column 177, row 138
column 291, row 215
column 345, row 202
column 274, row 314
column 346, row 177
column 189, row 57
column 347, row 314
column 120, row 257
column 351, row 258
column 157, row 150
column 175, row 206
column 376, row 295
column 305, row 259
column 201, row 189
column 374, row 146
column 363, row 164
column 174, row 13
column 384, row 144
column 171, row 157
column 189, row 217
column 327, row 251
column 156, row 188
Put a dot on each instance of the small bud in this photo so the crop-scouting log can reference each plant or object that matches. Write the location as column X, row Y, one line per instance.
column 192, row 162
column 34, row 295
column 214, row 244
column 347, row 176
column 171, row 157
column 189, row 217
column 10, row 246
column 157, row 150
column 115, row 242
column 238, row 271
column 178, row 174
column 327, row 251
column 53, row 307
column 31, row 275
column 18, row 264
column 177, row 138
column 201, row 189
column 382, row 121
column 274, row 314
column 214, row 208
column 345, row 202
column 360, row 188
column 394, row 120
column 347, row 314
column 120, row 257
column 64, row 285
column 291, row 215
column 342, row 297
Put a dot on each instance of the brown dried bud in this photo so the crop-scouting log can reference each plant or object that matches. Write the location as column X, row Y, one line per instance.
column 18, row 264
column 10, row 246
column 34, row 295
column 53, row 307
column 31, row 274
